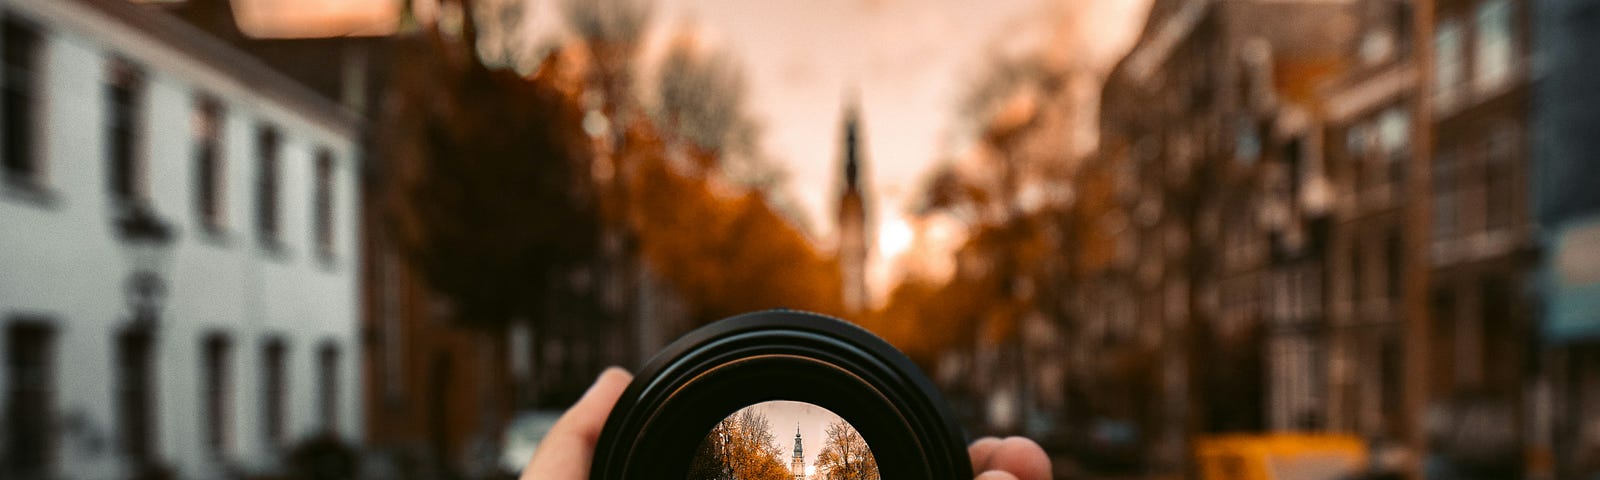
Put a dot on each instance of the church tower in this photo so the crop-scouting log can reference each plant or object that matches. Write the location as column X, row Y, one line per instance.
column 797, row 468
column 852, row 216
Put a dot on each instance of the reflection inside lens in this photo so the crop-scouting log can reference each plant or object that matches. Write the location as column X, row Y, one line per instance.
column 783, row 440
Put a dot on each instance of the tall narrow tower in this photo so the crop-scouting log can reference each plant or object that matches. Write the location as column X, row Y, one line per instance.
column 853, row 216
column 797, row 467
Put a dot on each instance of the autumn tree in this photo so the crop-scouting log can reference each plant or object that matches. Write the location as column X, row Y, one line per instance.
column 845, row 455
column 725, row 249
column 486, row 183
column 701, row 103
column 739, row 447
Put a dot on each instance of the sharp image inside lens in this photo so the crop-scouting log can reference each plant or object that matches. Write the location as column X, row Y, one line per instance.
column 783, row 440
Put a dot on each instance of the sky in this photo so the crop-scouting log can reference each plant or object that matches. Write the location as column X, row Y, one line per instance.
column 907, row 61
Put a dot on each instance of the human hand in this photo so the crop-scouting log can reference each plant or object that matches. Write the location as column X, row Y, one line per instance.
column 1014, row 458
column 565, row 453
column 567, row 450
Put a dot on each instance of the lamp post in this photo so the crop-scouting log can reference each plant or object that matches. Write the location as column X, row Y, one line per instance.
column 148, row 241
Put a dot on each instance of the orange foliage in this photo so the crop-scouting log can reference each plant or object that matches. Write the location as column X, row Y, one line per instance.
column 724, row 249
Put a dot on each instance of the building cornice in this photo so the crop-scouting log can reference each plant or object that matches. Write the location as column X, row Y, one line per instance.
column 238, row 66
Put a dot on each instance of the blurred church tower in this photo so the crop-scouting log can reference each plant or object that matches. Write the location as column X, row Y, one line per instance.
column 852, row 231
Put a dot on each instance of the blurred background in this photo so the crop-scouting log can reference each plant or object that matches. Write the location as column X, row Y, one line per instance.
column 1200, row 239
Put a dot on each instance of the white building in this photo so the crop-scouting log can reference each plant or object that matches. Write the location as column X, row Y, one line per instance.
column 111, row 108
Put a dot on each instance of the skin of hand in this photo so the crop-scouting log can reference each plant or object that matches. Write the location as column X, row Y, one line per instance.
column 566, row 451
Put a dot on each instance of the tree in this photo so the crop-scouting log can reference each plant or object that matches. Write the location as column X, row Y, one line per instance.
column 612, row 31
column 486, row 184
column 725, row 249
column 740, row 447
column 701, row 103
column 845, row 455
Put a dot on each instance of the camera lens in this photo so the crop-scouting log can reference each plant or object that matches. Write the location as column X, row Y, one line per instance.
column 775, row 364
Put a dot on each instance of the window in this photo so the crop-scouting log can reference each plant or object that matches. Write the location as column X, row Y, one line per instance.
column 1358, row 146
column 209, row 185
column 135, row 395
column 1394, row 137
column 267, row 150
column 30, row 393
column 328, row 380
column 1448, row 68
column 273, row 390
column 218, row 391
column 1378, row 145
column 124, row 136
column 1493, row 51
column 1498, row 319
column 323, row 202
column 1500, row 177
column 1391, row 378
column 1446, row 197
column 1355, row 282
column 390, row 278
column 1394, row 265
column 1247, row 146
column 20, row 84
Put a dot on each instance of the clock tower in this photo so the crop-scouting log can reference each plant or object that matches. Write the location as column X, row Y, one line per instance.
column 797, row 468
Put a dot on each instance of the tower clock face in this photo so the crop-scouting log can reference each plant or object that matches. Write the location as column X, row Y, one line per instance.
column 783, row 440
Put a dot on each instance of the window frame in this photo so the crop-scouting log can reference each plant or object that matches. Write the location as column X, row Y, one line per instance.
column 1501, row 180
column 1447, row 173
column 22, row 163
column 269, row 184
column 275, row 391
column 329, row 357
column 324, row 196
column 45, row 460
column 210, row 162
column 1447, row 88
column 1488, row 72
column 136, row 394
column 217, row 394
column 127, row 162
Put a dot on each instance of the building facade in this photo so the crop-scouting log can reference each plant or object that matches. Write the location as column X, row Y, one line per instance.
column 181, row 257
column 1368, row 128
column 1566, row 108
column 1346, row 187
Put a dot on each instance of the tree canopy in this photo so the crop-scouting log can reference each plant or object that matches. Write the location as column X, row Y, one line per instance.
column 486, row 180
column 740, row 447
column 845, row 455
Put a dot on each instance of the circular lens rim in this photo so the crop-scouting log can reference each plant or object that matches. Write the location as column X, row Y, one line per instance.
column 713, row 371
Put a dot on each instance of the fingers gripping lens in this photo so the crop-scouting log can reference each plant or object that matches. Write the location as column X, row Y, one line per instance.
column 728, row 378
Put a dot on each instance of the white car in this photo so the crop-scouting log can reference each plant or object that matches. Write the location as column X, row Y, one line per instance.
column 522, row 437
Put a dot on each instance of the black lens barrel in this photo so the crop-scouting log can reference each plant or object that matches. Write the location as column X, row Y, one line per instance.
column 714, row 371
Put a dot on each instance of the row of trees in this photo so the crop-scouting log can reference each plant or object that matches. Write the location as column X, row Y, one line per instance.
column 517, row 196
column 740, row 447
column 743, row 447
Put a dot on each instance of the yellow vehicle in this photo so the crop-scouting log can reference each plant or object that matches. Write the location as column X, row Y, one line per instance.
column 1284, row 456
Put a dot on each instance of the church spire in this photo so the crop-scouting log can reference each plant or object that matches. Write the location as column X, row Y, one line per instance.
column 853, row 226
column 852, row 151
column 797, row 466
